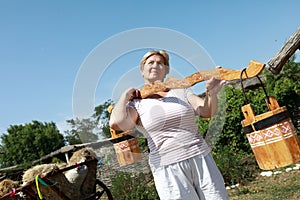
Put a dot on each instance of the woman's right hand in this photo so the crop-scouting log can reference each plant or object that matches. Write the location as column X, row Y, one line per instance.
column 132, row 93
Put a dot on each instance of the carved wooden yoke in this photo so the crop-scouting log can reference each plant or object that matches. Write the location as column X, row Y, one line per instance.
column 254, row 68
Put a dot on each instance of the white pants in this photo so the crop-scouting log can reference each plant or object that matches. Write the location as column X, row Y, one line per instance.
column 197, row 178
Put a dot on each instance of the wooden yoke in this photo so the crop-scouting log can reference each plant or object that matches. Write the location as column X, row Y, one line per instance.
column 254, row 68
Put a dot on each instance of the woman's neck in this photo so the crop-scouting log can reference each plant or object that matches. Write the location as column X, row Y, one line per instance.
column 151, row 82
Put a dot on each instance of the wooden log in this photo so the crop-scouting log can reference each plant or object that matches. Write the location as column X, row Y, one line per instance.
column 288, row 49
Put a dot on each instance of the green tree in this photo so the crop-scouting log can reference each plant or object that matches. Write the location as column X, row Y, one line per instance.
column 89, row 129
column 72, row 137
column 102, row 117
column 286, row 88
column 101, row 111
column 82, row 131
column 26, row 143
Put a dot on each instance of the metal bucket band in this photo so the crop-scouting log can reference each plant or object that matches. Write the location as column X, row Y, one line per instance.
column 264, row 123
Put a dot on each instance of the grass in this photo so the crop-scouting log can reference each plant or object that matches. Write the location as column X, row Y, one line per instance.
column 285, row 185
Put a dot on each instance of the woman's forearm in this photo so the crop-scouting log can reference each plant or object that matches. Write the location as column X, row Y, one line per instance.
column 210, row 104
column 122, row 117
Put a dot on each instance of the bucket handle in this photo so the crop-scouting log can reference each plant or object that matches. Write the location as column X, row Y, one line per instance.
column 244, row 90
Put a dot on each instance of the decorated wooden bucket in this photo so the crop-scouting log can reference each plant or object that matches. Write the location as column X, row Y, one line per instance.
column 271, row 135
column 128, row 151
column 126, row 146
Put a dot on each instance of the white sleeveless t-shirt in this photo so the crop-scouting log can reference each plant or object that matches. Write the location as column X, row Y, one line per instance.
column 169, row 125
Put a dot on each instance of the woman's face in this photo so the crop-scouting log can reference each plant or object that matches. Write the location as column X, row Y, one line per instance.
column 154, row 69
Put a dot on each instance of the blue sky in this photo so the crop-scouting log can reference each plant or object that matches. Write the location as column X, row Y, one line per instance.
column 44, row 44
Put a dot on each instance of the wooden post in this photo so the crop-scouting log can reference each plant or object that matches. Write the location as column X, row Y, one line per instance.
column 288, row 49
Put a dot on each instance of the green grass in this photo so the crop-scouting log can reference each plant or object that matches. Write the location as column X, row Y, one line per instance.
column 285, row 185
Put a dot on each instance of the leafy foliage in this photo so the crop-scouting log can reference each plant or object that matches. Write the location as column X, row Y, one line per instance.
column 101, row 111
column 89, row 129
column 231, row 132
column 82, row 130
column 236, row 166
column 102, row 116
column 286, row 88
column 129, row 186
column 29, row 142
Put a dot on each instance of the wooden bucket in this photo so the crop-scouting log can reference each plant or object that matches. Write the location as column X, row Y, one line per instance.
column 272, row 136
column 126, row 146
column 128, row 152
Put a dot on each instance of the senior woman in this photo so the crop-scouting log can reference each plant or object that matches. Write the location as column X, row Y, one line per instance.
column 179, row 158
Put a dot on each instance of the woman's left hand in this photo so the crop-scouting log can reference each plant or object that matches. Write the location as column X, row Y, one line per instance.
column 213, row 86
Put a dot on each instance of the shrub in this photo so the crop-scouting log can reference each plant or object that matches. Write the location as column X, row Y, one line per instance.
column 129, row 186
column 236, row 167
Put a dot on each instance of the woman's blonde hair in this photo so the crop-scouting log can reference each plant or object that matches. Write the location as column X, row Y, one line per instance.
column 161, row 53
